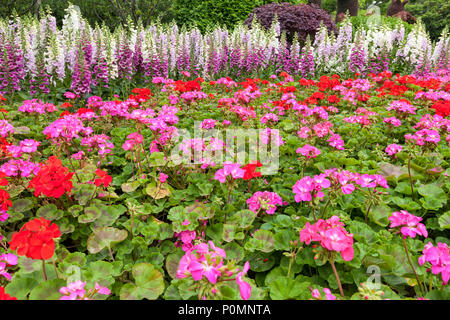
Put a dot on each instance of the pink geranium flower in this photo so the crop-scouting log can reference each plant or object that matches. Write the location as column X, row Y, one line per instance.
column 393, row 149
column 328, row 295
column 229, row 169
column 331, row 235
column 408, row 223
column 309, row 151
column 439, row 258
column 6, row 260
column 264, row 200
column 163, row 177
column 244, row 288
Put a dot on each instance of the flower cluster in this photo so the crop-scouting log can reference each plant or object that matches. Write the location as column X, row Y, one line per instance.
column 363, row 120
column 408, row 223
column 439, row 258
column 423, row 137
column 76, row 291
column 312, row 187
column 185, row 239
column 5, row 203
column 104, row 178
column 5, row 296
column 6, row 260
column 208, row 124
column 66, row 129
column 5, row 128
column 269, row 117
column 336, row 141
column 331, row 235
column 402, row 107
column 52, row 180
column 133, row 139
column 250, row 170
column 307, row 188
column 98, row 142
column 14, row 166
column 36, row 239
column 265, row 200
column 229, row 169
column 393, row 149
column 37, row 106
column 201, row 150
column 308, row 151
column 207, row 261
column 328, row 295
column 393, row 121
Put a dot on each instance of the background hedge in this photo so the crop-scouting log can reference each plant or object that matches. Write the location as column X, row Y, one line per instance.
column 203, row 13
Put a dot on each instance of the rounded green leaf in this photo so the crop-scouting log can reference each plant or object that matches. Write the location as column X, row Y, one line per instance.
column 90, row 214
column 104, row 238
column 129, row 187
column 172, row 262
column 157, row 192
column 285, row 288
column 22, row 205
column 149, row 283
column 444, row 220
column 379, row 214
column 21, row 287
column 49, row 212
column 243, row 219
column 48, row 290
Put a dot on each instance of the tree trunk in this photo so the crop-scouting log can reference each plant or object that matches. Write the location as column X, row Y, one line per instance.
column 347, row 5
column 134, row 11
column 37, row 8
column 395, row 7
column 118, row 7
column 318, row 2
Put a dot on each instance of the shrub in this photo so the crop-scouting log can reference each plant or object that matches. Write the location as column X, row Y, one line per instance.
column 361, row 21
column 204, row 13
column 435, row 14
column 329, row 5
column 301, row 19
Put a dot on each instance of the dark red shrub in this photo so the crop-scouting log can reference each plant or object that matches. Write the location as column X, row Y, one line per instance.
column 301, row 18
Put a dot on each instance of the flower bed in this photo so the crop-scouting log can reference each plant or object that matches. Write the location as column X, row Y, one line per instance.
column 153, row 196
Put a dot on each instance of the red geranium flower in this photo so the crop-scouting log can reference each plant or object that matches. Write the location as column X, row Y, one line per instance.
column 333, row 99
column 84, row 110
column 250, row 170
column 4, row 295
column 35, row 239
column 3, row 180
column 191, row 85
column 317, row 95
column 52, row 179
column 64, row 113
column 142, row 94
column 442, row 108
column 66, row 105
column 105, row 179
column 5, row 203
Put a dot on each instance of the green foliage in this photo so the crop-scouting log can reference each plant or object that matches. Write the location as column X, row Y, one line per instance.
column 435, row 14
column 361, row 21
column 329, row 5
column 97, row 11
column 207, row 13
